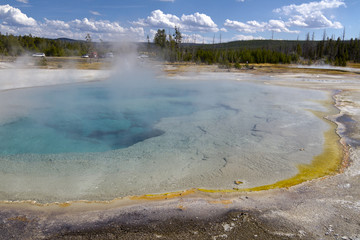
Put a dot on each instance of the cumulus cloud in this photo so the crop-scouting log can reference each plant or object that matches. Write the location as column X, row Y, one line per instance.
column 311, row 15
column 308, row 8
column 254, row 26
column 249, row 27
column 13, row 16
column 198, row 22
column 101, row 29
column 55, row 24
column 13, row 21
column 278, row 26
column 193, row 22
column 246, row 38
column 306, row 15
column 101, row 26
column 159, row 19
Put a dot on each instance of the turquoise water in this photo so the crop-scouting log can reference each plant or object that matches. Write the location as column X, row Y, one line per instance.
column 102, row 140
column 91, row 117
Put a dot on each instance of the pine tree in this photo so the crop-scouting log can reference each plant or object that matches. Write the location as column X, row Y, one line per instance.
column 160, row 38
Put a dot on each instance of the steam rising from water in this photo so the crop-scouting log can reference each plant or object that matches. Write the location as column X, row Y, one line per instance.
column 93, row 117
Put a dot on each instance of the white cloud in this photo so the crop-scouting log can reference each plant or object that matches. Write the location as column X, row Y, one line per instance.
column 278, row 26
column 138, row 31
column 240, row 0
column 55, row 24
column 13, row 21
column 198, row 22
column 240, row 26
column 246, row 37
column 254, row 26
column 167, row 0
column 95, row 13
column 84, row 25
column 23, row 1
column 13, row 16
column 152, row 33
column 306, row 15
column 101, row 26
column 308, row 8
column 193, row 22
column 311, row 15
column 103, row 29
column 158, row 19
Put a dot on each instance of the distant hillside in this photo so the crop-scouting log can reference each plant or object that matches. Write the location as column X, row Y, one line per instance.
column 68, row 40
column 275, row 45
column 285, row 46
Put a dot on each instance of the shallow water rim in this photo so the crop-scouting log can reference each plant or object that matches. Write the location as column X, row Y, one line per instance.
column 331, row 161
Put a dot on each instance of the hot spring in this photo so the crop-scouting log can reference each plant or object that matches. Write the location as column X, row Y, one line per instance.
column 133, row 135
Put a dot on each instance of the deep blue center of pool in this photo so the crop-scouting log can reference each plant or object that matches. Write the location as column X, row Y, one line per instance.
column 91, row 117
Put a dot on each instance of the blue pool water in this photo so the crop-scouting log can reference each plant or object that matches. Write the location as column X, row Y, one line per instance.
column 91, row 118
column 107, row 139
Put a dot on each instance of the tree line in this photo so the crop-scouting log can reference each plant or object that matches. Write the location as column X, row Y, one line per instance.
column 11, row 45
column 171, row 48
column 328, row 51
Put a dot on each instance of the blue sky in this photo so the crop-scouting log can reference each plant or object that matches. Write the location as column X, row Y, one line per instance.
column 198, row 20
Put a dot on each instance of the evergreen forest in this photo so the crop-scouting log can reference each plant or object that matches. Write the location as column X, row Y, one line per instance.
column 327, row 51
column 169, row 47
